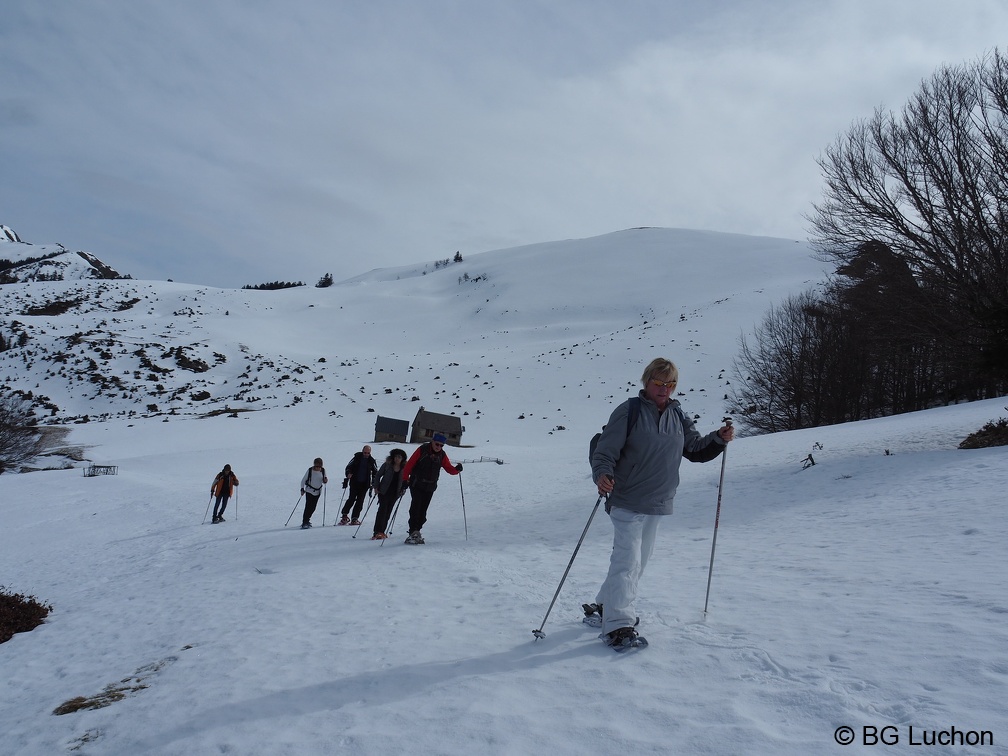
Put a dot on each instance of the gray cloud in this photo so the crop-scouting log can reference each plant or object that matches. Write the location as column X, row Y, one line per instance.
column 230, row 141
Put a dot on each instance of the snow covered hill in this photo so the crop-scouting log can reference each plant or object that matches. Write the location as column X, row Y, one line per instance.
column 442, row 335
column 865, row 592
column 24, row 262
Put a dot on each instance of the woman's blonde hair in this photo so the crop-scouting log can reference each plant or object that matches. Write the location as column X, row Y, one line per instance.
column 661, row 368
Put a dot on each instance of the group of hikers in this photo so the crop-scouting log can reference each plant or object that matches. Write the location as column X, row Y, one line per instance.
column 634, row 466
column 389, row 482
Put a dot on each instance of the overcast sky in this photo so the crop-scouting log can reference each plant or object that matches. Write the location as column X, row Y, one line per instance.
column 228, row 142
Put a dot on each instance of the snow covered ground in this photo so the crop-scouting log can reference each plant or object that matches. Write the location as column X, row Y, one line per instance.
column 867, row 591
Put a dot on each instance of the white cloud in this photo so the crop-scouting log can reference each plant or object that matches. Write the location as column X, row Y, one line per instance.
column 229, row 134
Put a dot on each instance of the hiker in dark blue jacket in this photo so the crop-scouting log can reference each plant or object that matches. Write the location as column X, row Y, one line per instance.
column 638, row 470
column 360, row 475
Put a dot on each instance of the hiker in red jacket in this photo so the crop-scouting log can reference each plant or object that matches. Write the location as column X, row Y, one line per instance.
column 421, row 475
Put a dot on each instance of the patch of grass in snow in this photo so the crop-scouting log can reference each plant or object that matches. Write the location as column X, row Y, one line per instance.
column 115, row 691
column 20, row 613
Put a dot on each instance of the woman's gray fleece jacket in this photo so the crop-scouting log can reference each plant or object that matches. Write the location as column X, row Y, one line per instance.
column 645, row 464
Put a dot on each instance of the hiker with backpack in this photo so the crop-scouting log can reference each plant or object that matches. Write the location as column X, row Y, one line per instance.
column 311, row 488
column 222, row 487
column 421, row 476
column 360, row 474
column 388, row 487
column 635, row 465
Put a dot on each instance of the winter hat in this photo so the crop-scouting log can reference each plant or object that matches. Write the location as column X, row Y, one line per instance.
column 439, row 438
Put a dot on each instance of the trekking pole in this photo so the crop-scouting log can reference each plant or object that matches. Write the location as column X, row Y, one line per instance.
column 539, row 633
column 236, row 503
column 293, row 510
column 392, row 518
column 323, row 504
column 370, row 499
column 717, row 518
column 339, row 508
column 464, row 522
column 207, row 510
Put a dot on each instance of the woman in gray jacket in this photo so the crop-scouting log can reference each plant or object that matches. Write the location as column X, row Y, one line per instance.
column 388, row 487
column 636, row 466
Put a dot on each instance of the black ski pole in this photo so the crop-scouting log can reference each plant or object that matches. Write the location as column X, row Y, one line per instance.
column 323, row 504
column 464, row 521
column 340, row 508
column 717, row 518
column 370, row 499
column 539, row 633
column 207, row 510
column 236, row 504
column 294, row 510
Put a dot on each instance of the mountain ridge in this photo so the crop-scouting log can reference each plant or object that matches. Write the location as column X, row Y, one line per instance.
column 447, row 335
column 23, row 262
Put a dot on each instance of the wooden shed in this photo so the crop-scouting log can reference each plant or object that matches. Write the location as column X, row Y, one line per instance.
column 390, row 429
column 426, row 424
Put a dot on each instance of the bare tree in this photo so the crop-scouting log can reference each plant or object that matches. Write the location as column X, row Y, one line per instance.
column 931, row 184
column 785, row 375
column 818, row 360
column 20, row 439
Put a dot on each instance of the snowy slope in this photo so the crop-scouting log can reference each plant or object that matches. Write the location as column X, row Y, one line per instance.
column 424, row 334
column 866, row 591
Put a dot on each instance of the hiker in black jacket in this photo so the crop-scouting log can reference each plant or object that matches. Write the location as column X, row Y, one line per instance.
column 360, row 473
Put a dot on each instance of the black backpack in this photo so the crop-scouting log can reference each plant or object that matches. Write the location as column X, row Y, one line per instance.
column 633, row 412
column 309, row 478
column 428, row 463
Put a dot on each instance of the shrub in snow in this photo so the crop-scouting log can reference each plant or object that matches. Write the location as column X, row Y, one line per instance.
column 992, row 434
column 20, row 613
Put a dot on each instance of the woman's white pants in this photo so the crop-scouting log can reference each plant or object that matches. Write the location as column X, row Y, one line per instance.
column 633, row 543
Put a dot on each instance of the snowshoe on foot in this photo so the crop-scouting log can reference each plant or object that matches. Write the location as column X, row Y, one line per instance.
column 414, row 538
column 355, row 522
column 593, row 615
column 624, row 639
column 379, row 537
column 344, row 520
column 305, row 525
